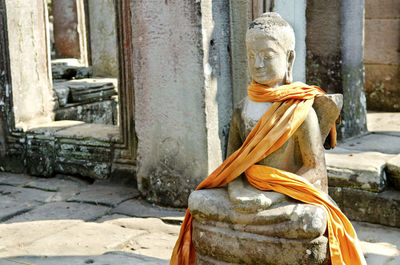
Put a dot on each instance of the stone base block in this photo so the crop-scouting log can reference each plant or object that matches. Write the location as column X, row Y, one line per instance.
column 218, row 245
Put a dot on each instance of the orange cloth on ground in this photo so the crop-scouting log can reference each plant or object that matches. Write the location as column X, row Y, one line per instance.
column 275, row 127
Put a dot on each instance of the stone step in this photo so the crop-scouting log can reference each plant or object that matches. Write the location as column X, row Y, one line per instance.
column 360, row 205
column 358, row 170
column 367, row 162
column 393, row 172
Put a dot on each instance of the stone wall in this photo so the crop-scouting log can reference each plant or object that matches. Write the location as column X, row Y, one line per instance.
column 103, row 38
column 382, row 54
column 183, row 98
column 334, row 57
column 29, row 61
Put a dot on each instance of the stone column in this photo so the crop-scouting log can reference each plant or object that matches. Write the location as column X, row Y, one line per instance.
column 381, row 55
column 70, row 29
column 242, row 12
column 29, row 62
column 103, row 38
column 335, row 57
column 183, row 98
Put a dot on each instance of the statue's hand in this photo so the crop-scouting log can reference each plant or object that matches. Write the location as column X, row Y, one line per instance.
column 248, row 199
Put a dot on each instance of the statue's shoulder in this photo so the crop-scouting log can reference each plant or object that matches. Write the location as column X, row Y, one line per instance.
column 327, row 102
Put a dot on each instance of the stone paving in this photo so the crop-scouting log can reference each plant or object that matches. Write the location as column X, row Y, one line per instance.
column 66, row 220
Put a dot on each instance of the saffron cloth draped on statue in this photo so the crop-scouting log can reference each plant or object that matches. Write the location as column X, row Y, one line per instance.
column 291, row 105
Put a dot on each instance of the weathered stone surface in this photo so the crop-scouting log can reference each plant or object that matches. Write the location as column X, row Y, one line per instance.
column 157, row 240
column 70, row 69
column 174, row 158
column 365, row 170
column 380, row 208
column 23, row 195
column 11, row 207
column 393, row 172
column 382, row 41
column 96, row 133
column 103, row 38
column 89, row 92
column 382, row 85
column 373, row 142
column 102, row 112
column 380, row 244
column 85, row 150
column 61, row 91
column 335, row 61
column 235, row 247
column 140, row 208
column 31, row 84
column 105, row 194
column 60, row 211
column 384, row 122
column 14, row 179
column 382, row 9
column 107, row 258
column 56, row 184
column 66, row 35
column 288, row 219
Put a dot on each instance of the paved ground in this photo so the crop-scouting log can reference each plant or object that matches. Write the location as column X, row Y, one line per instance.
column 64, row 220
column 67, row 221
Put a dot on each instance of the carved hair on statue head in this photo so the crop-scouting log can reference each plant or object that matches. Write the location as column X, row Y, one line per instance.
column 273, row 26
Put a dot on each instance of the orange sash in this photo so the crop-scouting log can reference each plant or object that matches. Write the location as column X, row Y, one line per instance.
column 278, row 123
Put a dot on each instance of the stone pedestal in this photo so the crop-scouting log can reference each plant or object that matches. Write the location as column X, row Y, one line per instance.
column 289, row 232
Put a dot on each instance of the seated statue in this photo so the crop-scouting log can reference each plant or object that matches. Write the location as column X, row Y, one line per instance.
column 240, row 224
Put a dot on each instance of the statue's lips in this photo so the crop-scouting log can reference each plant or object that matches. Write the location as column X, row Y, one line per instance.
column 260, row 74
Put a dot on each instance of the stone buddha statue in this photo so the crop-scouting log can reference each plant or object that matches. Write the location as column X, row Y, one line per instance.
column 240, row 224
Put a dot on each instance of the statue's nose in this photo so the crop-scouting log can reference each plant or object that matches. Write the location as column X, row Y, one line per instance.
column 259, row 63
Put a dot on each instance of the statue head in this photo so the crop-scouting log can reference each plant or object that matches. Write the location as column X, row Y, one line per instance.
column 270, row 50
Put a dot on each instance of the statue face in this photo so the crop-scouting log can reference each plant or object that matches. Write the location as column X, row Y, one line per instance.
column 269, row 63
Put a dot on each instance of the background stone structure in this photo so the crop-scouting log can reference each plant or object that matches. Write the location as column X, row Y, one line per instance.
column 182, row 67
column 335, row 57
column 183, row 94
column 30, row 62
column 382, row 54
column 103, row 38
column 70, row 39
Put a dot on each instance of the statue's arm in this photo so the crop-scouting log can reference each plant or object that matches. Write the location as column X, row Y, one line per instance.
column 234, row 139
column 309, row 139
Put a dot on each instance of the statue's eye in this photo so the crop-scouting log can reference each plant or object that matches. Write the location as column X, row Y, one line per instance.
column 251, row 56
column 269, row 55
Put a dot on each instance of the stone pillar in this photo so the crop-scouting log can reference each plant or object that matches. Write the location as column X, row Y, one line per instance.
column 29, row 62
column 242, row 12
column 103, row 38
column 334, row 57
column 70, row 29
column 183, row 98
column 381, row 55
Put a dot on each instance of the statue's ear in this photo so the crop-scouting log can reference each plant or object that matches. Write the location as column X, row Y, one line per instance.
column 291, row 55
